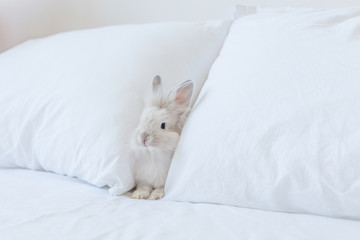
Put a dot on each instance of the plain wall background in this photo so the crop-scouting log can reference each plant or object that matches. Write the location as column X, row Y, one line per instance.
column 21, row 20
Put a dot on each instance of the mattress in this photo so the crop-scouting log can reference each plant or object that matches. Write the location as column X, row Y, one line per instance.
column 39, row 205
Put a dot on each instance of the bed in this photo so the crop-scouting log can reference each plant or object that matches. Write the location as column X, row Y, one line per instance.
column 38, row 205
column 276, row 158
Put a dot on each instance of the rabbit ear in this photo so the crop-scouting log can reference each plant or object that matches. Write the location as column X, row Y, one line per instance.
column 156, row 84
column 157, row 91
column 180, row 100
column 184, row 93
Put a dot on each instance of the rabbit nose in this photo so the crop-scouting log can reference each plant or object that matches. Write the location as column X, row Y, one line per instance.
column 145, row 137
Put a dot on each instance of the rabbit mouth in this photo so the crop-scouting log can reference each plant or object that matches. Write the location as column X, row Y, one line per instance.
column 146, row 142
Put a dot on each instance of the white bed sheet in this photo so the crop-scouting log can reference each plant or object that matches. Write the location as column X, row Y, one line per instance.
column 38, row 205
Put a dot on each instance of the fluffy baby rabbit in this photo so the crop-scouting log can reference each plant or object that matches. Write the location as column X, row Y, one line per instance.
column 155, row 139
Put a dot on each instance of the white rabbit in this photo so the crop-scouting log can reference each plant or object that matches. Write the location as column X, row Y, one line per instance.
column 154, row 140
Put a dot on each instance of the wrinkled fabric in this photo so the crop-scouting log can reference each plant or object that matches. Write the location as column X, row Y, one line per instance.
column 69, row 102
column 277, row 124
column 48, row 206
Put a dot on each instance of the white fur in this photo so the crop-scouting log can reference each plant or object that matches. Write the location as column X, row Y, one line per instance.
column 152, row 147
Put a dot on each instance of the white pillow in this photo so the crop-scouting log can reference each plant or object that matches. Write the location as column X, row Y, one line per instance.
column 277, row 123
column 69, row 102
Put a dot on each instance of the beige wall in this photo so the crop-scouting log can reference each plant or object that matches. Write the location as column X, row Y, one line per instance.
column 25, row 19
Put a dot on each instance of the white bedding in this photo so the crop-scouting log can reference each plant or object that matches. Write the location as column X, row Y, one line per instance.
column 38, row 205
column 282, row 107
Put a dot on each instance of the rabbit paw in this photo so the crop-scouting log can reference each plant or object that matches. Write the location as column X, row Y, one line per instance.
column 140, row 194
column 157, row 194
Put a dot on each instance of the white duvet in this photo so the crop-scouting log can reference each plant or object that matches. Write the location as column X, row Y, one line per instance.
column 38, row 205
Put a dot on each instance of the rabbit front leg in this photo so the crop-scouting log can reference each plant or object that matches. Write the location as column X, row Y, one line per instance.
column 157, row 193
column 142, row 191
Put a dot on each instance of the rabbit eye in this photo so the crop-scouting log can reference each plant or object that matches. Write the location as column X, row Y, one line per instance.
column 163, row 126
